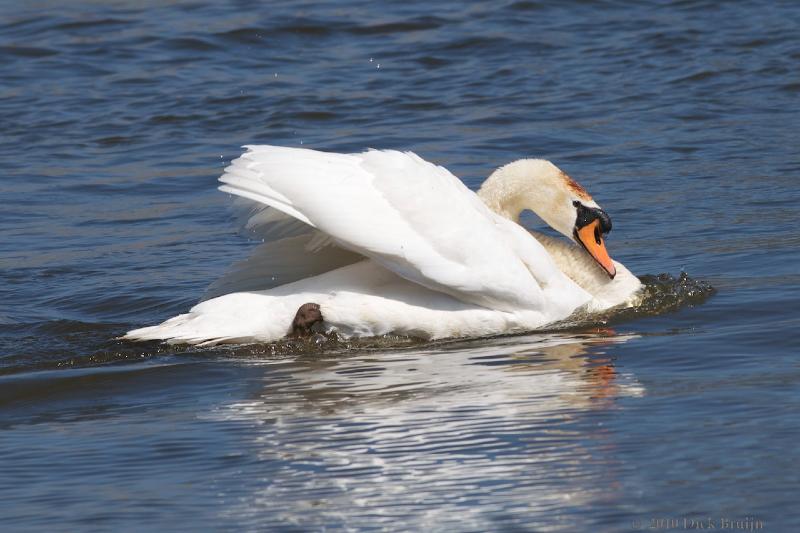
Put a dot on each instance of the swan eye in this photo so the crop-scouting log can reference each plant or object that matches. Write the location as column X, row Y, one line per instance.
column 576, row 203
column 586, row 215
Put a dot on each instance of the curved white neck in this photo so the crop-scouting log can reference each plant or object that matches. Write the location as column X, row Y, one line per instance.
column 533, row 184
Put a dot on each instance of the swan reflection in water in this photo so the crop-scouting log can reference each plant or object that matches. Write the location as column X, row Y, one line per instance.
column 463, row 433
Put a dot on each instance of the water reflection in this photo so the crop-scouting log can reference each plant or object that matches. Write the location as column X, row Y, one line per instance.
column 467, row 434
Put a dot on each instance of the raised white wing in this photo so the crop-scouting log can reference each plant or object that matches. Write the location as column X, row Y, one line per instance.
column 409, row 215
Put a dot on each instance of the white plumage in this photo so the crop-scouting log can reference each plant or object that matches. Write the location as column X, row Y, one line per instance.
column 386, row 242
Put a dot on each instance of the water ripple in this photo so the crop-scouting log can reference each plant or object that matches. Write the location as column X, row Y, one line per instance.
column 677, row 115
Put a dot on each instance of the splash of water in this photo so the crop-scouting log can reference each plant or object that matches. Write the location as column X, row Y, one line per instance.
column 662, row 293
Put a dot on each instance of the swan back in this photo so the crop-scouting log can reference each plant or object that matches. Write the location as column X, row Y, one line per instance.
column 412, row 217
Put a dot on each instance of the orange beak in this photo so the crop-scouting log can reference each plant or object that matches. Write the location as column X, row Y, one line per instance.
column 592, row 241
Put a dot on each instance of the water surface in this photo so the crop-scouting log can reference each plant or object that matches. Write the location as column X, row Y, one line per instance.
column 116, row 119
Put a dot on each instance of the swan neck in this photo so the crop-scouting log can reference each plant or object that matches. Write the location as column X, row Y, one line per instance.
column 534, row 184
column 504, row 195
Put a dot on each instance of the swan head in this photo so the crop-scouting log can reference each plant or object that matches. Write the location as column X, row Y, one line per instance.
column 557, row 199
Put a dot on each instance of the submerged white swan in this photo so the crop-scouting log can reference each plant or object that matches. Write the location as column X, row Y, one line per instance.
column 386, row 242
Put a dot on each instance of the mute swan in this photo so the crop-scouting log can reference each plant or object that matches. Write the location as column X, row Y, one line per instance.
column 385, row 242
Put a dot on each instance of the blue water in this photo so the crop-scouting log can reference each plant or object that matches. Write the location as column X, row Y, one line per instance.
column 680, row 117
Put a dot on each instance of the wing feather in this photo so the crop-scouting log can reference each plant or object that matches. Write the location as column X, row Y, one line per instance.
column 411, row 216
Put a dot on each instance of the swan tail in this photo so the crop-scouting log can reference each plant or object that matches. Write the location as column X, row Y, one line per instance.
column 188, row 329
column 242, row 317
column 176, row 330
